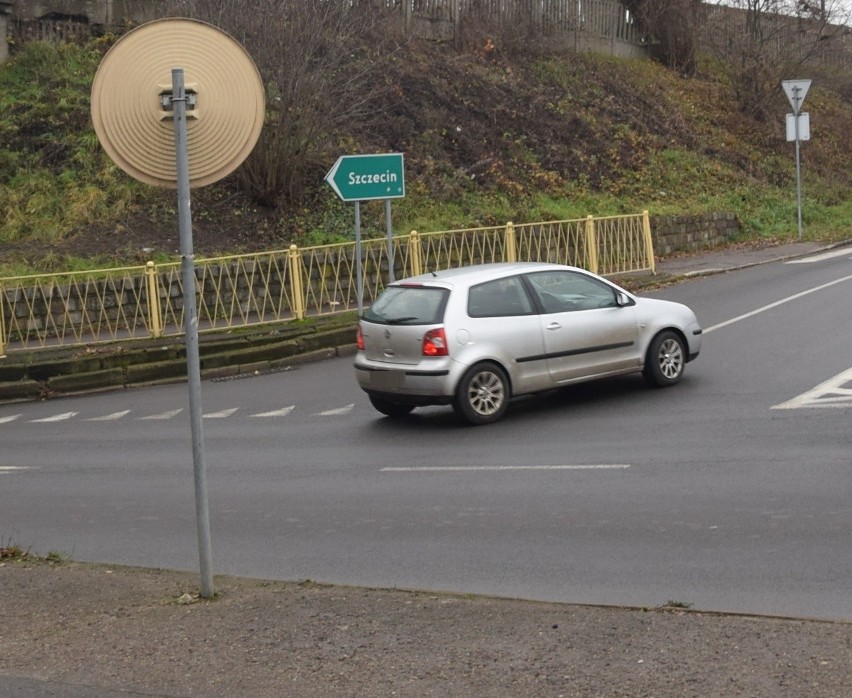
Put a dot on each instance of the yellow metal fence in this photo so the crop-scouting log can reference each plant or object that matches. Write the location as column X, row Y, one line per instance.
column 105, row 305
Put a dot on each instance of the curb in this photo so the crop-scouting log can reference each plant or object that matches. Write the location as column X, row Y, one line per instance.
column 44, row 374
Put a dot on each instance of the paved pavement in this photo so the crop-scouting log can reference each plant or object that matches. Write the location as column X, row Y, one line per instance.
column 736, row 257
column 86, row 630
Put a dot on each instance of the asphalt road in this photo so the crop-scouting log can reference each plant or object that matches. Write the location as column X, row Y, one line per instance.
column 730, row 491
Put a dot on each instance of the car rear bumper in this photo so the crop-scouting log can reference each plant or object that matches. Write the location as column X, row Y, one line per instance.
column 430, row 384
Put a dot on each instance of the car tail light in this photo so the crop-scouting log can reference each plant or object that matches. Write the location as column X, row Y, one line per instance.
column 435, row 343
column 359, row 339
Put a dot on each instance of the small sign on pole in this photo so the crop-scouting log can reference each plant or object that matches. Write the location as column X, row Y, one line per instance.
column 804, row 127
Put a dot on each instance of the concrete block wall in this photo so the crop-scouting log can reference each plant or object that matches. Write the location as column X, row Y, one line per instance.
column 693, row 233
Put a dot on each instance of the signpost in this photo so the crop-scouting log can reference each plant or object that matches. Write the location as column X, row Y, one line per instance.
column 367, row 177
column 360, row 178
column 796, row 91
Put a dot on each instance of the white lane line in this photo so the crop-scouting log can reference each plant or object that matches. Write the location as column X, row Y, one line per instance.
column 109, row 417
column 10, row 418
column 163, row 415
column 5, row 469
column 283, row 412
column 776, row 304
column 55, row 418
column 336, row 411
column 830, row 393
column 221, row 414
column 492, row 468
column 821, row 257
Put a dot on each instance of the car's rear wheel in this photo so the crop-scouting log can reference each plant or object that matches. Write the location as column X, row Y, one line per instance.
column 390, row 408
column 666, row 359
column 483, row 394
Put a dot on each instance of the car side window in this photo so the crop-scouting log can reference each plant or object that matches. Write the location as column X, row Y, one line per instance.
column 566, row 291
column 500, row 298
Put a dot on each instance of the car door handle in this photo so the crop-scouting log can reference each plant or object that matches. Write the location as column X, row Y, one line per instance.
column 553, row 326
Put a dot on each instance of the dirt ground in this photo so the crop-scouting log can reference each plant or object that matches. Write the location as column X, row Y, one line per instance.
column 85, row 629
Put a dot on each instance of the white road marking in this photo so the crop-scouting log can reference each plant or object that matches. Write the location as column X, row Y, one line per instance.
column 775, row 304
column 5, row 469
column 821, row 257
column 163, row 415
column 492, row 468
column 109, row 417
column 10, row 418
column 283, row 412
column 221, row 414
column 55, row 418
column 336, row 411
column 835, row 392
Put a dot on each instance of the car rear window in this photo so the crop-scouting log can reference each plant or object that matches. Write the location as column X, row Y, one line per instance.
column 408, row 305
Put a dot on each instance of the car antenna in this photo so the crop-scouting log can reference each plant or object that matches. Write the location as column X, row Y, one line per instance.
column 433, row 272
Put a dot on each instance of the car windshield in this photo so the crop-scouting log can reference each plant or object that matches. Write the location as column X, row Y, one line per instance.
column 408, row 305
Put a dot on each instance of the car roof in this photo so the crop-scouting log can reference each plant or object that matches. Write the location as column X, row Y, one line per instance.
column 477, row 273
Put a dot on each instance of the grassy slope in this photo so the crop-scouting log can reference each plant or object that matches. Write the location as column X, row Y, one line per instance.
column 487, row 138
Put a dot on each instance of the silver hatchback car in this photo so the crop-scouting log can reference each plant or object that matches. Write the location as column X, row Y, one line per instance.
column 477, row 336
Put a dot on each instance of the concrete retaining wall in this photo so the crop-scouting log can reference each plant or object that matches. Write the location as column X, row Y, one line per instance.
column 693, row 233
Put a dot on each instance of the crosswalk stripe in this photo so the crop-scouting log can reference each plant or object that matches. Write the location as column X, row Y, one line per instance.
column 109, row 417
column 498, row 468
column 55, row 418
column 163, row 415
column 336, row 411
column 222, row 414
column 169, row 414
column 283, row 412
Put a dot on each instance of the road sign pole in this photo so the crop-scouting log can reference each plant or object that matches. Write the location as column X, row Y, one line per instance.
column 359, row 274
column 798, row 177
column 796, row 90
column 389, row 224
column 190, row 315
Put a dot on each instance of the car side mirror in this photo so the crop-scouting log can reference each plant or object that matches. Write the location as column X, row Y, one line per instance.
column 623, row 299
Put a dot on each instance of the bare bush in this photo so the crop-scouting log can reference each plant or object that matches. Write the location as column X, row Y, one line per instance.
column 672, row 26
column 322, row 66
column 762, row 42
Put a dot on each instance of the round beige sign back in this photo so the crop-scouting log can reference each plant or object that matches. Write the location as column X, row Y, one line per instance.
column 131, row 111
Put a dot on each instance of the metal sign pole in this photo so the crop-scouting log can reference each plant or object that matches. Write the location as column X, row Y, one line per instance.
column 389, row 224
column 190, row 314
column 796, row 91
column 798, row 174
column 359, row 276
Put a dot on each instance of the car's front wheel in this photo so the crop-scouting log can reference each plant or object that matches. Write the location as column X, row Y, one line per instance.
column 389, row 408
column 483, row 394
column 666, row 359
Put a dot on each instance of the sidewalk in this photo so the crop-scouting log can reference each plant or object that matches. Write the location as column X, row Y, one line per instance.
column 736, row 257
column 75, row 629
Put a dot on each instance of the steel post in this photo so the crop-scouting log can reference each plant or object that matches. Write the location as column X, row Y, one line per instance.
column 193, row 362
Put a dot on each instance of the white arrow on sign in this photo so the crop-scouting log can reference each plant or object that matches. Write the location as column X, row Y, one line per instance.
column 796, row 91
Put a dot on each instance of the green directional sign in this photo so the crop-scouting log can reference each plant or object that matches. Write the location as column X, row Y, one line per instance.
column 367, row 177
